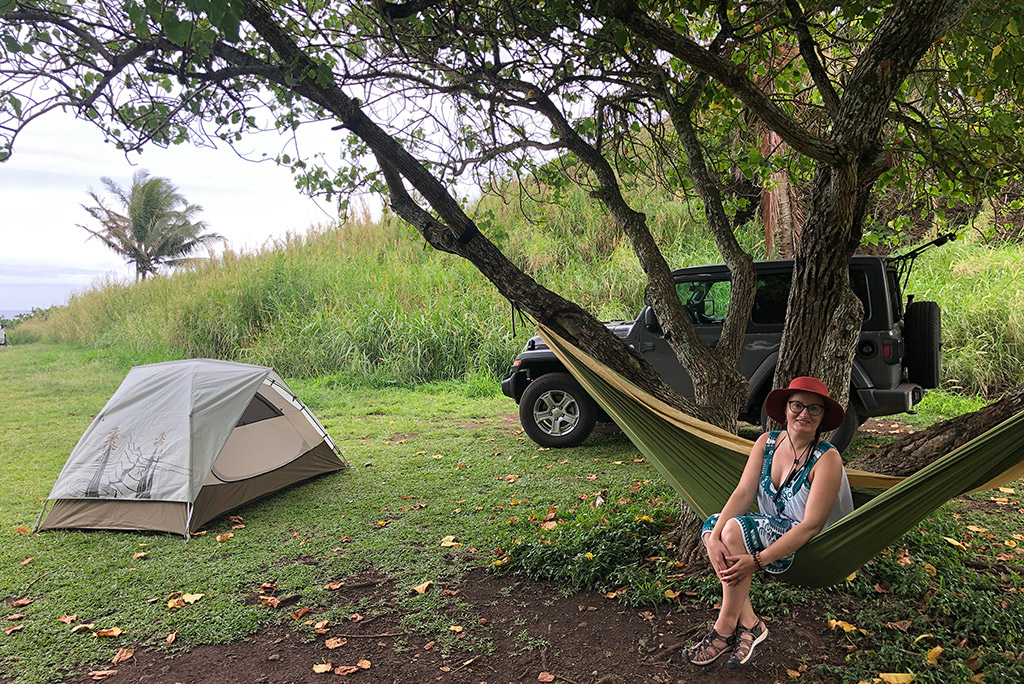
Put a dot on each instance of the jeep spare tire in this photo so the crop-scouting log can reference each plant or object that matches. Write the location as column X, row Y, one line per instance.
column 555, row 411
column 922, row 332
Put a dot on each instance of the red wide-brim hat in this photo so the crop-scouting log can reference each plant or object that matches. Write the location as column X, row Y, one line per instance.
column 775, row 404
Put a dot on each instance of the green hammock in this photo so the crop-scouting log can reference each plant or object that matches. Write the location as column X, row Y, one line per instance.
column 704, row 464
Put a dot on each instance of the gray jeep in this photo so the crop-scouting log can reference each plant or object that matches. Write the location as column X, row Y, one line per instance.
column 898, row 355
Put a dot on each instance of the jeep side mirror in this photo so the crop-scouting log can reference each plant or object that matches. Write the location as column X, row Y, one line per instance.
column 651, row 321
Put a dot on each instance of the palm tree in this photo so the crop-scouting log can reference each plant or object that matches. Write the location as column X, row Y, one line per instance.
column 157, row 226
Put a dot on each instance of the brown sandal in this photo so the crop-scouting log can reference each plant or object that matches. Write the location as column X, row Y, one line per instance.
column 708, row 649
column 746, row 639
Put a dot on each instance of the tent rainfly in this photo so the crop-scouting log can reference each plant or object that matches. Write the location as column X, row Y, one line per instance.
column 182, row 442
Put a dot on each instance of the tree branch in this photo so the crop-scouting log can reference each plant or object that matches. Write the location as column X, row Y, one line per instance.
column 809, row 51
column 733, row 78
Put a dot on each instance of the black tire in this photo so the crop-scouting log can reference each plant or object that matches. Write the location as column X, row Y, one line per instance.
column 555, row 411
column 845, row 433
column 922, row 334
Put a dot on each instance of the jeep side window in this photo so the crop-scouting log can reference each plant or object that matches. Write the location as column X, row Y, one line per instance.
column 773, row 293
column 705, row 301
column 770, row 299
column 859, row 285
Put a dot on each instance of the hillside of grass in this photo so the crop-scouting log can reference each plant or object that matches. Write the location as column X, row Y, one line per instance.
column 367, row 302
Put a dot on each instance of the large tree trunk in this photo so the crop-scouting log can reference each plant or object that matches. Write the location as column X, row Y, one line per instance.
column 909, row 454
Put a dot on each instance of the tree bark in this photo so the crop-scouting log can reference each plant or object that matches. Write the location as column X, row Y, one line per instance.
column 910, row 453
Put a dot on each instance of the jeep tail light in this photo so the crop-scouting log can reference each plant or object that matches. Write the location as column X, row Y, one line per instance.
column 891, row 350
column 517, row 363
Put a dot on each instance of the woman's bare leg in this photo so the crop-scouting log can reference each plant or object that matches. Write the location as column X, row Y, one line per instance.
column 736, row 608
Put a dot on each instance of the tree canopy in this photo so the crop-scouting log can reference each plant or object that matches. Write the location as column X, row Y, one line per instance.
column 921, row 95
column 153, row 226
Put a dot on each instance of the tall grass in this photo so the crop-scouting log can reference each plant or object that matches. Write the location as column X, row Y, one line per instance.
column 368, row 302
column 980, row 290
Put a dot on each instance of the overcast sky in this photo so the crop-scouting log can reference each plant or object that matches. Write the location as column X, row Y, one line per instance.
column 44, row 255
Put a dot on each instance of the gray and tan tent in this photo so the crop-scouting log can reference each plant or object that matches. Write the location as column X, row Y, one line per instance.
column 182, row 442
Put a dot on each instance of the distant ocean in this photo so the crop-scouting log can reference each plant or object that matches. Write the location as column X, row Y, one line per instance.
column 11, row 313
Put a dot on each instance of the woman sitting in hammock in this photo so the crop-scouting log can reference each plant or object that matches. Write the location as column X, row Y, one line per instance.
column 800, row 487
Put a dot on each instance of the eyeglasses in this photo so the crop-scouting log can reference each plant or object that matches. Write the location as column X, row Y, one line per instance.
column 813, row 409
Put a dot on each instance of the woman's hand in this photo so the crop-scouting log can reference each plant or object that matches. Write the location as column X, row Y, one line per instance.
column 717, row 555
column 738, row 569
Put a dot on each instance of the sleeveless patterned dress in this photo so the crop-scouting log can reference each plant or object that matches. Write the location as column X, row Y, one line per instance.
column 783, row 508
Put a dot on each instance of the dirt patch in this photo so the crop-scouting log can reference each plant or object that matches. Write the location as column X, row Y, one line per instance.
column 521, row 629
column 885, row 426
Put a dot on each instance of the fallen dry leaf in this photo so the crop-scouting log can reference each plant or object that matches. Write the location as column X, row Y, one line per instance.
column 13, row 628
column 455, row 628
column 545, row 677
column 139, row 554
column 268, row 588
column 323, row 667
column 896, row 677
column 271, row 601
column 449, row 541
column 28, row 560
column 67, row 619
column 15, row 616
column 171, row 637
column 422, row 588
column 122, row 655
column 224, row 537
column 333, row 586
column 345, row 670
column 321, row 627
column 933, row 655
column 84, row 627
column 429, row 645
column 22, row 602
column 955, row 543
column 97, row 675
column 191, row 598
column 22, row 530
column 112, row 632
column 355, row 617
column 793, row 674
column 299, row 613
column 175, row 603
column 335, row 642
column 363, row 664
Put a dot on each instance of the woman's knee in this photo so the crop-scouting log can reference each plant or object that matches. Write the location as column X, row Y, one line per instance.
column 732, row 537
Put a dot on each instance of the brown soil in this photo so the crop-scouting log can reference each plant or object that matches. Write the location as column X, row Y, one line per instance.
column 525, row 632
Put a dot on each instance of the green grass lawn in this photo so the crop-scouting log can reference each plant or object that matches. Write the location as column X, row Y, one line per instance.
column 426, row 464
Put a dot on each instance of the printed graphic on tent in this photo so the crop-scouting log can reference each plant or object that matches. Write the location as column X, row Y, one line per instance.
column 182, row 442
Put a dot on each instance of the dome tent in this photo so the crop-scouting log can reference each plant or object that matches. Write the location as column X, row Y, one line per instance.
column 182, row 442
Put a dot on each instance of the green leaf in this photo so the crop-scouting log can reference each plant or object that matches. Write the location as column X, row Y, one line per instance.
column 176, row 30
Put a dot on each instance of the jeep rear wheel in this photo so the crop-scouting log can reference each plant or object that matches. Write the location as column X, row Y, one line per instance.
column 555, row 411
column 845, row 433
column 922, row 330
